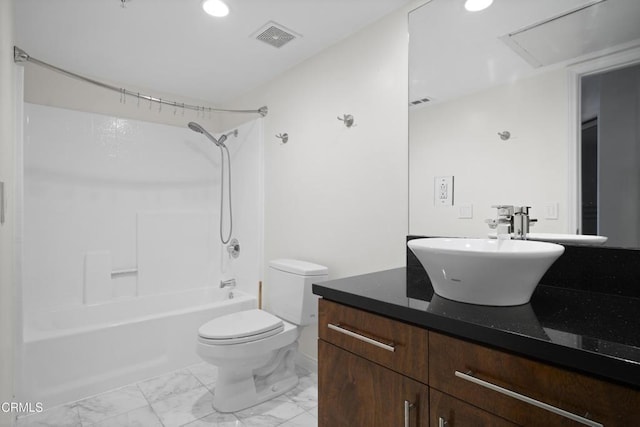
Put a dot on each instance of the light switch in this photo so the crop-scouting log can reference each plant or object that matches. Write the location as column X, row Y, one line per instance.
column 551, row 211
column 465, row 211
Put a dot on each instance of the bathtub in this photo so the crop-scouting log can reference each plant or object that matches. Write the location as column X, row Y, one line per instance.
column 78, row 352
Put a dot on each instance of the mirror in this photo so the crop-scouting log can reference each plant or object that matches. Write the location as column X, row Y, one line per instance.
column 495, row 114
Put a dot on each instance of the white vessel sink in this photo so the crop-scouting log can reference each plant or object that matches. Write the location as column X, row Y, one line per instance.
column 485, row 271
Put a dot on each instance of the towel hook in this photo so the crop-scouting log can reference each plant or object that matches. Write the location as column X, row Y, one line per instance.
column 283, row 136
column 347, row 119
column 504, row 135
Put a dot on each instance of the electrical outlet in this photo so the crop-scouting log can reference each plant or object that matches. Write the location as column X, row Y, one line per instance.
column 443, row 191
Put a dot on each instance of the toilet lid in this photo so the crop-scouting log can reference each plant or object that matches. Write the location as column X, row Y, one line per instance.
column 242, row 326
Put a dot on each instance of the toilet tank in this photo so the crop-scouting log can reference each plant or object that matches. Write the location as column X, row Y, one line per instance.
column 287, row 292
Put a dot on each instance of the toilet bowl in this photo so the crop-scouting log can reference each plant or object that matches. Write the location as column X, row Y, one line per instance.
column 255, row 350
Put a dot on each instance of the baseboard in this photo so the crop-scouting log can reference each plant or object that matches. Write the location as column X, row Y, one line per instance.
column 307, row 362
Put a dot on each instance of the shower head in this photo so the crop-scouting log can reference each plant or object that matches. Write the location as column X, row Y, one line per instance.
column 197, row 128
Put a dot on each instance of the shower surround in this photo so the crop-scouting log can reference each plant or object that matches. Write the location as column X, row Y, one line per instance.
column 121, row 257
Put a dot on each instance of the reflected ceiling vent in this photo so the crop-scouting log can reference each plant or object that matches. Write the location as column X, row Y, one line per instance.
column 593, row 27
column 275, row 34
column 419, row 102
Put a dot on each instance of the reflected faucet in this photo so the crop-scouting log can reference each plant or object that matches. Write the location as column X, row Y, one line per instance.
column 511, row 222
column 522, row 222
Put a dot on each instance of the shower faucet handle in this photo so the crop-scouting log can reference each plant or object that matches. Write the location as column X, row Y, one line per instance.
column 234, row 248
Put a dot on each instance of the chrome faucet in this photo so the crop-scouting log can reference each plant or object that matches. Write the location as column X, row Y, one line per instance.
column 511, row 221
column 230, row 283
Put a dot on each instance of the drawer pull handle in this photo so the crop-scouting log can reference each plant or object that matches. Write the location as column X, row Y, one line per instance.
column 442, row 422
column 469, row 377
column 407, row 413
column 361, row 337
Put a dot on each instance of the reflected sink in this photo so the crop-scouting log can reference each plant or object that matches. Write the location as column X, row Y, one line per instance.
column 569, row 239
column 485, row 271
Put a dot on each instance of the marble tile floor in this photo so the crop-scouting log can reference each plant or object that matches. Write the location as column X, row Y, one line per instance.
column 181, row 398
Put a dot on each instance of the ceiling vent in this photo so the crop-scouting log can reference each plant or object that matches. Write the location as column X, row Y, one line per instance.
column 419, row 101
column 275, row 34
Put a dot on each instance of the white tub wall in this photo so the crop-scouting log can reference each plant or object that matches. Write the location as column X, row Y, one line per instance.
column 8, row 229
column 44, row 87
column 177, row 250
column 100, row 183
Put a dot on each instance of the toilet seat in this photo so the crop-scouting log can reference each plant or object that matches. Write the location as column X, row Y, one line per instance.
column 240, row 327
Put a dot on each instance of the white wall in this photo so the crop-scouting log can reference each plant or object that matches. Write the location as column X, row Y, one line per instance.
column 460, row 138
column 7, row 230
column 333, row 195
column 104, row 193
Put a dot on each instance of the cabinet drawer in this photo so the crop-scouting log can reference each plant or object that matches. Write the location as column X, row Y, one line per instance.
column 398, row 346
column 447, row 411
column 480, row 376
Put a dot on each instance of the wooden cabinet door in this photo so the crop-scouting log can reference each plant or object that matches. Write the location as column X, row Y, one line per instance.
column 447, row 411
column 356, row 392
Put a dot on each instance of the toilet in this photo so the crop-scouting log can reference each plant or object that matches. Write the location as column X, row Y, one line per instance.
column 255, row 350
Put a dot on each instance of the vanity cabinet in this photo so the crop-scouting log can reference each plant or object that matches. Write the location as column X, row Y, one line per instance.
column 525, row 391
column 374, row 371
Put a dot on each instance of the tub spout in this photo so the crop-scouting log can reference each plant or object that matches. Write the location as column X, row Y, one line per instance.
column 230, row 283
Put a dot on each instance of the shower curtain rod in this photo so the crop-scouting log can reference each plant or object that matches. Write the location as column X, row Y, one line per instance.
column 20, row 56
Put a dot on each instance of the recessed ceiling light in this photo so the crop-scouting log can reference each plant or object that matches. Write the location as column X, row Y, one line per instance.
column 216, row 8
column 477, row 5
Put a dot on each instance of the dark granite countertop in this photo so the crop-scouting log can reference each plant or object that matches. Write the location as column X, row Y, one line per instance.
column 589, row 332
